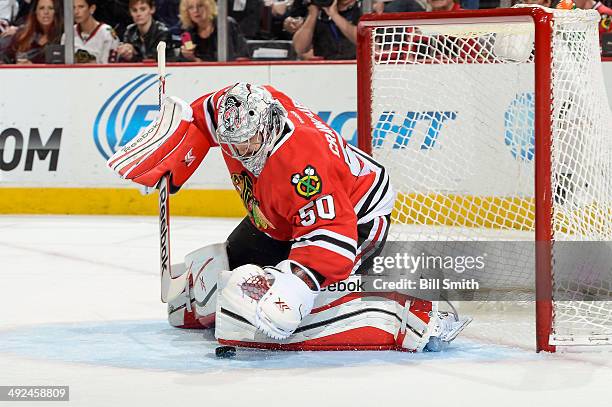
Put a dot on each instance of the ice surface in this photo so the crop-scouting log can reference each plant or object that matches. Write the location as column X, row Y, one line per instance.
column 80, row 307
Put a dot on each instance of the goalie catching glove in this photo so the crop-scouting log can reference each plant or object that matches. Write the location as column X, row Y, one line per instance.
column 273, row 299
column 168, row 145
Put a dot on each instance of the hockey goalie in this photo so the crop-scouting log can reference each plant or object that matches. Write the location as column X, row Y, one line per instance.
column 318, row 212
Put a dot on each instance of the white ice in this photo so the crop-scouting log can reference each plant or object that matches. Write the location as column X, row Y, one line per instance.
column 80, row 307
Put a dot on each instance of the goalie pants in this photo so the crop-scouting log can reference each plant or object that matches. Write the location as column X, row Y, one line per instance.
column 248, row 245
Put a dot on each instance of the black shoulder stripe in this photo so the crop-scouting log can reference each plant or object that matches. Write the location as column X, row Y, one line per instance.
column 368, row 203
column 329, row 239
column 284, row 133
column 374, row 204
column 211, row 112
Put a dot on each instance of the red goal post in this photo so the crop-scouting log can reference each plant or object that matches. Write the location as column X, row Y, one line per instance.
column 401, row 60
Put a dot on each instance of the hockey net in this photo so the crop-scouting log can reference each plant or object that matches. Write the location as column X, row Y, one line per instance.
column 494, row 125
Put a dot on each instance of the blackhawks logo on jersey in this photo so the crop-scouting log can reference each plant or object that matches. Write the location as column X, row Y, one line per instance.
column 244, row 185
column 307, row 184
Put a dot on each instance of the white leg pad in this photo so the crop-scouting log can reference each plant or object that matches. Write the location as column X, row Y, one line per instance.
column 198, row 301
column 339, row 320
column 414, row 332
column 205, row 265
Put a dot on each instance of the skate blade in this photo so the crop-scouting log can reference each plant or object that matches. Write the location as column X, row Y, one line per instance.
column 458, row 327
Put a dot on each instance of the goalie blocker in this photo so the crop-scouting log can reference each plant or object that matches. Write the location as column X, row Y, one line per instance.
column 169, row 145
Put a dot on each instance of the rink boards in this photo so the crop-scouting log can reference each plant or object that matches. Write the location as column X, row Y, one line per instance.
column 58, row 126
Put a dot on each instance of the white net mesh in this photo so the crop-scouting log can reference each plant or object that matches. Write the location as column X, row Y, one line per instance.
column 453, row 122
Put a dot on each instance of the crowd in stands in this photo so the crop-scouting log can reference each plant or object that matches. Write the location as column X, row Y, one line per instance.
column 41, row 25
column 114, row 31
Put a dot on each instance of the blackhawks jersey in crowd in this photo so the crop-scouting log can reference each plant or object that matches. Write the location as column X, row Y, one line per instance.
column 314, row 189
column 99, row 46
column 605, row 25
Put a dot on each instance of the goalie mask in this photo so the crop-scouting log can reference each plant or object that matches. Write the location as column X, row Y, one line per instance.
column 249, row 122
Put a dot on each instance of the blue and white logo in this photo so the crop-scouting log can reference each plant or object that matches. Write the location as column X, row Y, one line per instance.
column 121, row 116
column 519, row 132
column 343, row 123
column 402, row 133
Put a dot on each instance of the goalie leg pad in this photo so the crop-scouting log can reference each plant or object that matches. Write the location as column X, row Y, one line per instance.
column 340, row 320
column 195, row 307
column 416, row 324
column 435, row 329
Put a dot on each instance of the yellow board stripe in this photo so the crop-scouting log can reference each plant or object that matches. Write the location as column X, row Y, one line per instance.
column 512, row 213
column 464, row 210
column 111, row 201
column 509, row 213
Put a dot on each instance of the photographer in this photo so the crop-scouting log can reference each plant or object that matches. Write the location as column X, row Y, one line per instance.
column 330, row 29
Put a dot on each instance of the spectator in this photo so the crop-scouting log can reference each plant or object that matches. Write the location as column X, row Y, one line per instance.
column 331, row 32
column 296, row 14
column 5, row 43
column 292, row 24
column 94, row 42
column 247, row 13
column 278, row 11
column 198, row 18
column 543, row 3
column 141, row 38
column 167, row 11
column 24, row 10
column 399, row 6
column 8, row 14
column 43, row 26
column 444, row 5
column 114, row 13
column 279, row 7
column 605, row 13
column 378, row 7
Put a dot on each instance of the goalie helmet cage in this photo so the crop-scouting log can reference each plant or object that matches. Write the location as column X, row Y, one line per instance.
column 491, row 122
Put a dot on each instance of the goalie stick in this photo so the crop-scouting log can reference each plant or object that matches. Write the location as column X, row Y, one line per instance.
column 171, row 286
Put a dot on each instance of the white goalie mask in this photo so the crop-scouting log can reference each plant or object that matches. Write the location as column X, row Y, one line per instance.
column 249, row 121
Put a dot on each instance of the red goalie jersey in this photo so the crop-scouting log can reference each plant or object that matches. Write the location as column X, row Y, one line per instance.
column 328, row 199
column 314, row 189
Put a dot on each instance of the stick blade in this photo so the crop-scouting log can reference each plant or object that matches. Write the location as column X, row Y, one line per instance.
column 172, row 287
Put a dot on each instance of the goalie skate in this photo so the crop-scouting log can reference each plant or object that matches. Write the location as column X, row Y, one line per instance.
column 447, row 328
